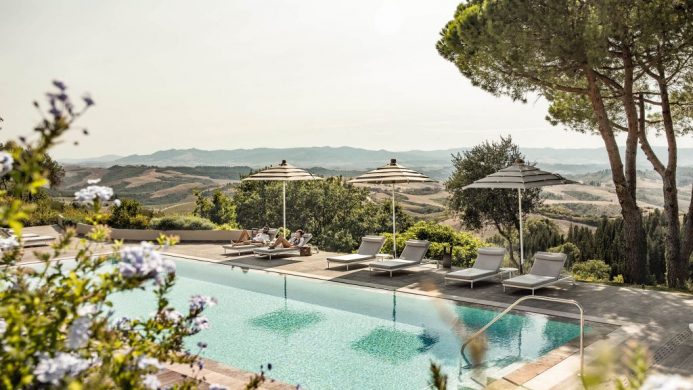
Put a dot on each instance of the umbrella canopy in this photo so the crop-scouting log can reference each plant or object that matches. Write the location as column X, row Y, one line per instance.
column 282, row 172
column 392, row 173
column 520, row 176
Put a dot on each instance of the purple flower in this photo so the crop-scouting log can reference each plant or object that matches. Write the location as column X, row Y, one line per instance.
column 150, row 381
column 61, row 86
column 88, row 100
column 144, row 262
column 145, row 362
column 55, row 112
column 62, row 97
column 200, row 302
column 54, row 369
column 6, row 162
column 199, row 323
column 216, row 386
column 92, row 192
column 202, row 344
column 78, row 334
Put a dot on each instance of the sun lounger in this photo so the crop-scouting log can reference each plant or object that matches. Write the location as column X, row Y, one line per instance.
column 545, row 271
column 29, row 239
column 247, row 246
column 370, row 246
column 269, row 252
column 414, row 251
column 486, row 266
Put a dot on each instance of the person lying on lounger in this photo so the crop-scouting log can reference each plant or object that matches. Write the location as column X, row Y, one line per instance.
column 296, row 240
column 262, row 236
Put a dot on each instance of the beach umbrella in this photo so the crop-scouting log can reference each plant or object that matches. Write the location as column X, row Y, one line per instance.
column 520, row 176
column 392, row 173
column 284, row 173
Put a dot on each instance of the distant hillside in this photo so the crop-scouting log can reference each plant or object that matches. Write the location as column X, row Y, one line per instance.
column 581, row 160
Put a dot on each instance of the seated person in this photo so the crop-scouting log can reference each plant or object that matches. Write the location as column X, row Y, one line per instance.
column 262, row 236
column 295, row 241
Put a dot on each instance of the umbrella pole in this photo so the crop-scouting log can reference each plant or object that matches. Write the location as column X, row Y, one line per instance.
column 394, row 228
column 522, row 250
column 284, row 206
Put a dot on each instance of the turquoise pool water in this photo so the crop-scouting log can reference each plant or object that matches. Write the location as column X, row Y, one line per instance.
column 326, row 335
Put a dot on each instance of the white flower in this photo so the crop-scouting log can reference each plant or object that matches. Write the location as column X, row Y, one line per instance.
column 144, row 262
column 145, row 362
column 216, row 386
column 93, row 181
column 150, row 381
column 199, row 323
column 172, row 315
column 6, row 162
column 200, row 302
column 79, row 332
column 87, row 309
column 54, row 369
column 92, row 192
column 117, row 202
column 666, row 382
column 3, row 326
column 8, row 243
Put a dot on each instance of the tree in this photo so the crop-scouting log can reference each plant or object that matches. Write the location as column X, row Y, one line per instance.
column 479, row 207
column 219, row 209
column 337, row 213
column 606, row 67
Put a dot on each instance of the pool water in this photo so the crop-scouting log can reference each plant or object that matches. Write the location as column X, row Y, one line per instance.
column 326, row 335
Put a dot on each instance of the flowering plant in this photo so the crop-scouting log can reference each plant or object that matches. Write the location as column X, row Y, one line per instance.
column 57, row 325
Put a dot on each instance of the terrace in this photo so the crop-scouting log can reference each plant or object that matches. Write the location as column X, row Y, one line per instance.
column 617, row 314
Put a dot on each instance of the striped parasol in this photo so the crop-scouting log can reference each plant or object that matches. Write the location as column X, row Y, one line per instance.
column 392, row 173
column 520, row 176
column 284, row 173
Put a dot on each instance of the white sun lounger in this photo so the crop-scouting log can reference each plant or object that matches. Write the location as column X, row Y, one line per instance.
column 411, row 256
column 269, row 252
column 239, row 248
column 29, row 239
column 370, row 246
column 486, row 266
column 545, row 271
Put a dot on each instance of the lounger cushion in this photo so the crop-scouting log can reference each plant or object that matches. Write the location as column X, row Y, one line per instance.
column 548, row 264
column 489, row 259
column 528, row 280
column 470, row 274
column 353, row 258
column 393, row 264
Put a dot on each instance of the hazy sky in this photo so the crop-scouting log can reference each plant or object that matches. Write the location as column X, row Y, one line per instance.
column 242, row 74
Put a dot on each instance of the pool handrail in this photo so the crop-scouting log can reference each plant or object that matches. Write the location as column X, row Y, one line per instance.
column 539, row 298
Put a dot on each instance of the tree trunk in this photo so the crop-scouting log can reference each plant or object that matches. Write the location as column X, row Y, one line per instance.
column 633, row 233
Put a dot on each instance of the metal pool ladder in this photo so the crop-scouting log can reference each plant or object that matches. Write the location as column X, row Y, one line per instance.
column 538, row 298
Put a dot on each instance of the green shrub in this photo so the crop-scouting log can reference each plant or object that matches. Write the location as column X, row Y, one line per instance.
column 618, row 279
column 129, row 215
column 181, row 222
column 465, row 245
column 569, row 249
column 592, row 271
column 48, row 212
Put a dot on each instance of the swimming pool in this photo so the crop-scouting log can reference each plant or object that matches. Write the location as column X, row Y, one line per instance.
column 327, row 335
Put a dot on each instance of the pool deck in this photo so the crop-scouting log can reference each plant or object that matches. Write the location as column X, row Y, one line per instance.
column 656, row 319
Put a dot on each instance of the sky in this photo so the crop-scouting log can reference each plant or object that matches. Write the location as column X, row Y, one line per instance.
column 227, row 74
